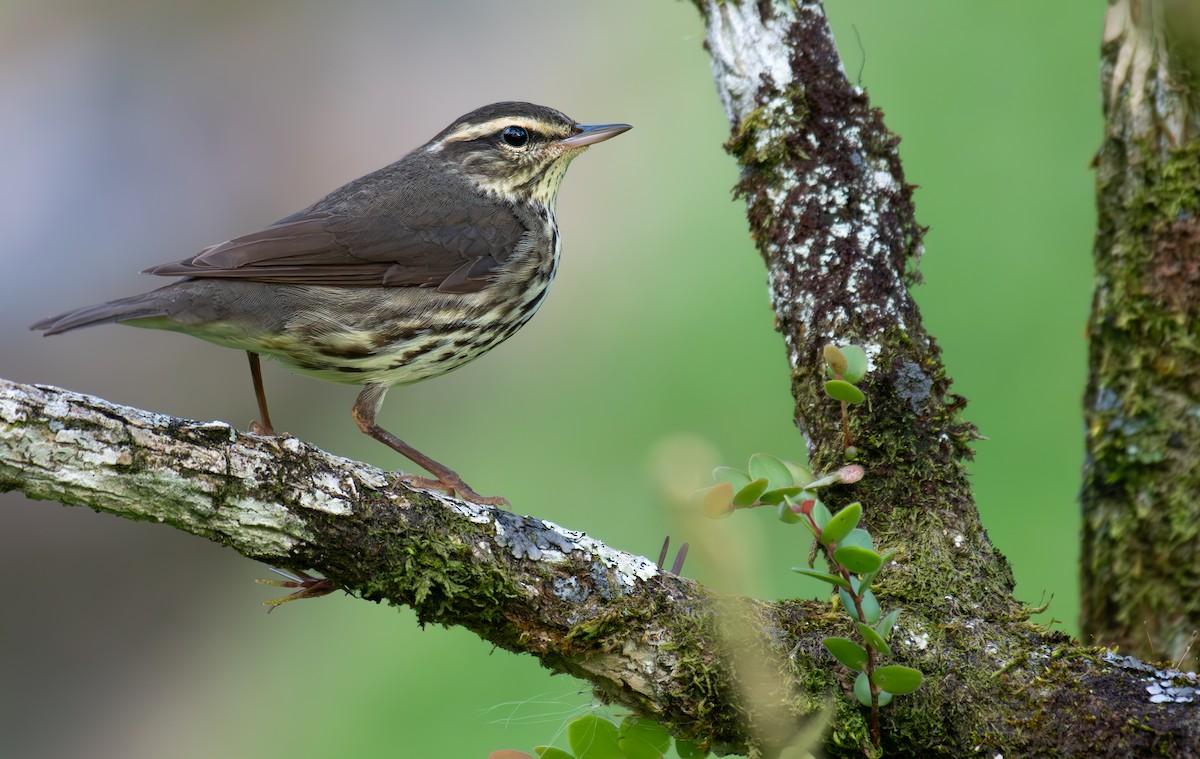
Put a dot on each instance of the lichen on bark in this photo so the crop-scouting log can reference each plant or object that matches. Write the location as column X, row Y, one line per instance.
column 833, row 218
column 1142, row 405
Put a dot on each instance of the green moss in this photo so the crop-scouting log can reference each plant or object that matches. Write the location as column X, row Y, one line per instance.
column 612, row 622
column 760, row 139
column 1143, row 415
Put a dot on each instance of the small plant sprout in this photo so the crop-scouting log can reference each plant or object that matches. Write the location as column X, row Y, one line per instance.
column 845, row 366
column 769, row 481
column 854, row 564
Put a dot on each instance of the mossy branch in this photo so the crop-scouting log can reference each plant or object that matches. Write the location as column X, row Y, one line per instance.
column 651, row 642
column 833, row 218
column 642, row 637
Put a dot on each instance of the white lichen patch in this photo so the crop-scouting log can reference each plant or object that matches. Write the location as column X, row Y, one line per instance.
column 88, row 450
column 265, row 527
column 11, row 412
column 840, row 231
column 746, row 50
column 253, row 512
column 918, row 641
column 291, row 444
column 779, row 191
column 1163, row 685
column 884, row 180
column 474, row 512
column 628, row 566
column 872, row 350
column 570, row 589
column 330, row 493
column 222, row 428
column 542, row 540
column 176, row 455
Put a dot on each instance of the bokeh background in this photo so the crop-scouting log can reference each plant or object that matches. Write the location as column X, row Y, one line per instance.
column 136, row 132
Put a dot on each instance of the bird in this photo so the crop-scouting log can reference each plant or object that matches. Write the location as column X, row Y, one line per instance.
column 406, row 273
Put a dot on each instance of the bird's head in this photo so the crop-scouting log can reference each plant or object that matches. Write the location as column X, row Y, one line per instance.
column 517, row 151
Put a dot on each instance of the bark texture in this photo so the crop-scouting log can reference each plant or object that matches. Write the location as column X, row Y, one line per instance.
column 659, row 645
column 833, row 218
column 1142, row 474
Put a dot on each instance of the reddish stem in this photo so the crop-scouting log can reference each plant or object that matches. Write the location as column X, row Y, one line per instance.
column 862, row 617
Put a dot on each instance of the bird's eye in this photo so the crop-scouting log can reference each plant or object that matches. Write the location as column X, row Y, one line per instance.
column 515, row 136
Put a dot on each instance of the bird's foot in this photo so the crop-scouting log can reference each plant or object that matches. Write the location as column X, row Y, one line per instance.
column 258, row 428
column 308, row 587
column 454, row 485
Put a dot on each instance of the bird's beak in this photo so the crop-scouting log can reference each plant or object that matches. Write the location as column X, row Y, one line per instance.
column 590, row 134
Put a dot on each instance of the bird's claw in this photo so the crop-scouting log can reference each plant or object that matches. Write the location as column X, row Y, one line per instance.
column 454, row 486
column 308, row 587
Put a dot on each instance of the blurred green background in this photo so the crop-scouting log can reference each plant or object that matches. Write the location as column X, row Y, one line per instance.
column 137, row 132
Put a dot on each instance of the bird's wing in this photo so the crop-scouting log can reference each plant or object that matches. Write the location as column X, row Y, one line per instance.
column 375, row 250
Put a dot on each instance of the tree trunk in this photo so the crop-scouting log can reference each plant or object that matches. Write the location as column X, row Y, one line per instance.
column 1141, row 488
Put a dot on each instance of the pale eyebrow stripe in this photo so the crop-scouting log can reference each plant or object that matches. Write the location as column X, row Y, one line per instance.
column 471, row 132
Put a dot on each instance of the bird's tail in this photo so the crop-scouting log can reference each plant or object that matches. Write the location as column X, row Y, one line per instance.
column 125, row 309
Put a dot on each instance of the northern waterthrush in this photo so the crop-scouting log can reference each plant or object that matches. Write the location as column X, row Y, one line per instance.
column 404, row 274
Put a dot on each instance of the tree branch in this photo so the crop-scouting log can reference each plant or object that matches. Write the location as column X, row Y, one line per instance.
column 834, row 221
column 649, row 641
column 641, row 637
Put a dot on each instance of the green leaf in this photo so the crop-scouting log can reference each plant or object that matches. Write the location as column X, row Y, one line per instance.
column 858, row 537
column 549, row 752
column 642, row 738
column 844, row 391
column 735, row 477
column 856, row 363
column 871, row 608
column 834, row 358
column 766, row 465
column 690, row 749
column 823, row 577
column 718, row 501
column 787, row 516
column 847, row 652
column 593, row 737
column 820, row 513
column 801, row 473
column 873, row 640
column 897, row 679
column 862, row 690
column 748, row 495
column 858, row 560
column 884, row 628
column 869, row 603
column 847, row 601
column 841, row 524
column 777, row 495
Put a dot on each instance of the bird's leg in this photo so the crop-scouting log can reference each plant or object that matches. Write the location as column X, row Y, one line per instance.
column 308, row 587
column 365, row 408
column 264, row 427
